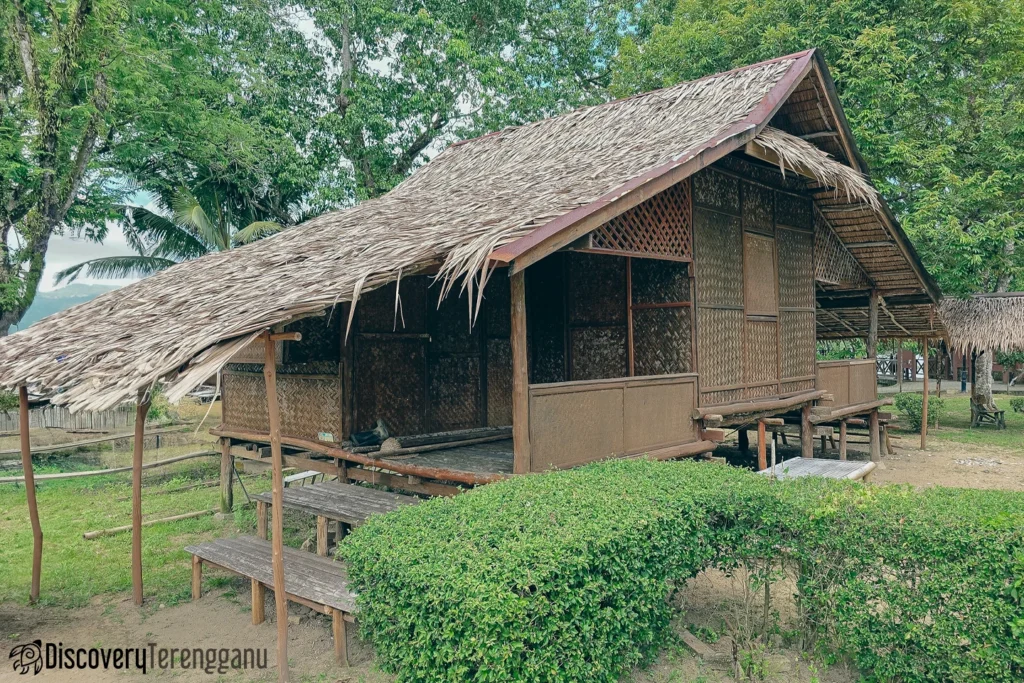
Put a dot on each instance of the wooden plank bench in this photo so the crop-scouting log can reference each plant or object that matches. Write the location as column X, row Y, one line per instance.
column 821, row 467
column 316, row 582
column 346, row 504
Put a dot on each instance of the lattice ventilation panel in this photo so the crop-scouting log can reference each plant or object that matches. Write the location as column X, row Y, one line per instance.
column 833, row 262
column 660, row 226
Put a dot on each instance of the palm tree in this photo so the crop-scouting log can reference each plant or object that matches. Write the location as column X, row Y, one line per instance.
column 185, row 232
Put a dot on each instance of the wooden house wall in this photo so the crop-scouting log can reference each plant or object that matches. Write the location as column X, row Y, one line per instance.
column 754, row 278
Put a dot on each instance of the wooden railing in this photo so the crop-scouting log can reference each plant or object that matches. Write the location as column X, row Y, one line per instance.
column 572, row 423
column 851, row 382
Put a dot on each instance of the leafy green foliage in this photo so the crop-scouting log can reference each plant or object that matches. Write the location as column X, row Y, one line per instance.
column 9, row 400
column 934, row 92
column 912, row 406
column 563, row 576
column 1017, row 403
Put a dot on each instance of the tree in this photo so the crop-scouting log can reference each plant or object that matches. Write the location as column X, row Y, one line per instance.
column 408, row 77
column 934, row 91
column 93, row 92
column 163, row 238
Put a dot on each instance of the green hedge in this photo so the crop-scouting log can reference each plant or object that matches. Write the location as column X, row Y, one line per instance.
column 563, row 576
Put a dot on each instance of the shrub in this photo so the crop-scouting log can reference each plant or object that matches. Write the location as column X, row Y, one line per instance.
column 563, row 576
column 1017, row 403
column 911, row 406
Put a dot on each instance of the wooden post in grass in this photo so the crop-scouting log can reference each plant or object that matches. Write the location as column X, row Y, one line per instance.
column 520, row 378
column 227, row 478
column 141, row 409
column 30, row 494
column 277, row 495
column 806, row 432
column 762, row 456
column 842, row 439
column 924, row 398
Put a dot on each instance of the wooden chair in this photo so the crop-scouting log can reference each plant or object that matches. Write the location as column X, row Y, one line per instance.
column 983, row 415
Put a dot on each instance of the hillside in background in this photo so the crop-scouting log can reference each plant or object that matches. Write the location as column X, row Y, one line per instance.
column 48, row 303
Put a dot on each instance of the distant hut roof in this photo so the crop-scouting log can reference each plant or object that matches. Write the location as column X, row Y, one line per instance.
column 985, row 321
column 507, row 197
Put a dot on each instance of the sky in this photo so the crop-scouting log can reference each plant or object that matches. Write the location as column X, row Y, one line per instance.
column 65, row 252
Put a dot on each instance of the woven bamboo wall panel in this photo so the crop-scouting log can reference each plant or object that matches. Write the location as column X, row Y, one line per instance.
column 375, row 310
column 758, row 209
column 761, row 391
column 497, row 302
column 309, row 406
column 390, row 382
column 759, row 276
column 793, row 210
column 597, row 353
column 597, row 289
column 661, row 341
column 720, row 347
column 448, row 324
column 499, row 382
column 793, row 387
column 659, row 226
column 766, row 175
column 545, row 318
column 799, row 348
column 716, row 191
column 321, row 338
column 761, row 362
column 796, row 268
column 659, row 282
column 710, row 398
column 718, row 246
column 254, row 353
column 833, row 262
column 454, row 393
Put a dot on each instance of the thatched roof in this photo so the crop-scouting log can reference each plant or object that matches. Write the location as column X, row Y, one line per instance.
column 494, row 198
column 985, row 321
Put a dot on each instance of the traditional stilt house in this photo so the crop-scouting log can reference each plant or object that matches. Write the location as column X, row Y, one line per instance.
column 622, row 280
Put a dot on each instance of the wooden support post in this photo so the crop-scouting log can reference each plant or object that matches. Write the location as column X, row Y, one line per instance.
column 762, row 455
column 277, row 495
column 227, row 477
column 872, row 341
column 30, row 493
column 842, row 439
column 340, row 637
column 824, row 443
column 744, row 439
column 321, row 536
column 873, row 436
column 261, row 519
column 197, row 577
column 259, row 614
column 806, row 432
column 924, row 397
column 520, row 378
column 899, row 365
column 141, row 410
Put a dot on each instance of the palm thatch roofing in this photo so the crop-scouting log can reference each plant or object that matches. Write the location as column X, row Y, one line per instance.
column 985, row 321
column 508, row 197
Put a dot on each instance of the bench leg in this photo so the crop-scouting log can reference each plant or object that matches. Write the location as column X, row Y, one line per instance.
column 197, row 577
column 261, row 519
column 340, row 637
column 259, row 614
column 321, row 536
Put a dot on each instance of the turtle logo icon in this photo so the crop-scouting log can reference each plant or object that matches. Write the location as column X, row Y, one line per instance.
column 28, row 656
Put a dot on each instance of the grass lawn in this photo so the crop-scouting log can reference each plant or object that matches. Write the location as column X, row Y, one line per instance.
column 955, row 425
column 76, row 570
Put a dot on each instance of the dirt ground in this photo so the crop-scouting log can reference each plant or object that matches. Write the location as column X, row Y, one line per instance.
column 711, row 605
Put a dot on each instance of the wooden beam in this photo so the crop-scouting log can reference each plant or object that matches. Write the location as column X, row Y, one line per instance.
column 30, row 494
column 806, row 432
column 762, row 455
column 520, row 378
column 874, row 436
column 141, row 410
column 845, row 411
column 277, row 494
column 758, row 406
column 842, row 439
column 227, row 478
column 924, row 398
column 872, row 342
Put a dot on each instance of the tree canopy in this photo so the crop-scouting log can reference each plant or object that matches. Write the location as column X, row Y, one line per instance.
column 933, row 89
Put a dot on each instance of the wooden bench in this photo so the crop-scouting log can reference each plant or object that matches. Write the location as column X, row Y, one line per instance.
column 821, row 467
column 982, row 415
column 316, row 582
column 303, row 477
column 346, row 504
